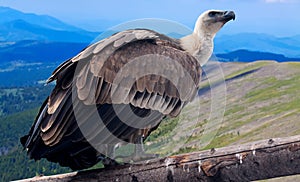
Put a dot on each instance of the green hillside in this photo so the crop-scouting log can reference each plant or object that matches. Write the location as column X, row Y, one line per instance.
column 261, row 101
column 18, row 107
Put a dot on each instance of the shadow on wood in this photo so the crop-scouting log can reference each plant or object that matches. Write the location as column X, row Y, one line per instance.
column 252, row 161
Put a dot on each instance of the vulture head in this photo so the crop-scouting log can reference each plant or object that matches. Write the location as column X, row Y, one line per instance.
column 212, row 21
column 200, row 42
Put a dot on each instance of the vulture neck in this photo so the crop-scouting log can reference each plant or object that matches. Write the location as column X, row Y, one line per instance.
column 199, row 43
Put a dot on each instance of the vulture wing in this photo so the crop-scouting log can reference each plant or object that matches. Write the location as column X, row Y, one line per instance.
column 127, row 83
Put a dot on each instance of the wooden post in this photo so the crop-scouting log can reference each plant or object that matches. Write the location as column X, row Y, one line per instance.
column 252, row 161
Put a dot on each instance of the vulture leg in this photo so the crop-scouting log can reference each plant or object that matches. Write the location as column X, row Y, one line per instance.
column 139, row 153
column 109, row 161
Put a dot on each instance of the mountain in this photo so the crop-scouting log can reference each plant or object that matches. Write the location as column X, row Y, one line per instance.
column 17, row 26
column 30, row 62
column 8, row 14
column 38, row 51
column 251, row 56
column 287, row 46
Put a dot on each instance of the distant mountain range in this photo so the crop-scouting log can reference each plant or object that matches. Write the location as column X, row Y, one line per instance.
column 287, row 46
column 31, row 37
column 18, row 26
column 28, row 63
column 39, row 51
column 250, row 56
column 45, row 52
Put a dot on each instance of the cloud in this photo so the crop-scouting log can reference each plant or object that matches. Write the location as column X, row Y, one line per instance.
column 279, row 1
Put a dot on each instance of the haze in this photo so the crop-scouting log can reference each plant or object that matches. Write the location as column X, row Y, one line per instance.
column 275, row 17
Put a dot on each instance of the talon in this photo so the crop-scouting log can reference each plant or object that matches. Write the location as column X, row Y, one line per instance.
column 108, row 162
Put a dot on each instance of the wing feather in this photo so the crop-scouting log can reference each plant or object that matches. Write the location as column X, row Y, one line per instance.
column 89, row 85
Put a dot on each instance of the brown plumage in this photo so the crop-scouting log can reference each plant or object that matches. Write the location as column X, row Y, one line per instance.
column 90, row 77
column 129, row 81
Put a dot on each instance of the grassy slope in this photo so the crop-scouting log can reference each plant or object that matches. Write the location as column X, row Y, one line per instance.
column 263, row 101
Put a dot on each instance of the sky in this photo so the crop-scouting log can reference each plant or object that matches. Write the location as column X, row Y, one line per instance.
column 275, row 17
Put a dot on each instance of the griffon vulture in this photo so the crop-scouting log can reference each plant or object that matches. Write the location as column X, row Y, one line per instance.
column 128, row 83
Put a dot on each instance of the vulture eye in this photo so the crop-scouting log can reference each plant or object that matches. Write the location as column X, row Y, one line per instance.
column 212, row 14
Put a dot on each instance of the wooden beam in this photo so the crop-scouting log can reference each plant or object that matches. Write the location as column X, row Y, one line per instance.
column 252, row 161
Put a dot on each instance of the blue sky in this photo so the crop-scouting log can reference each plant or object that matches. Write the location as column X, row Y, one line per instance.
column 276, row 17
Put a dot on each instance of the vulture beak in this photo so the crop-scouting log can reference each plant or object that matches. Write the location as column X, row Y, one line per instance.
column 227, row 16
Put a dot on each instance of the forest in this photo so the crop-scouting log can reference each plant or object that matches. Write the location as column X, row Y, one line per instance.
column 18, row 107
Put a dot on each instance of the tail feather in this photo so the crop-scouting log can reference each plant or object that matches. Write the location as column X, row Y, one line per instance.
column 23, row 140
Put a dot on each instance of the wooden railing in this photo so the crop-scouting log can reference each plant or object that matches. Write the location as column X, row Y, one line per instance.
column 252, row 161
